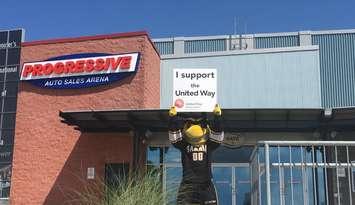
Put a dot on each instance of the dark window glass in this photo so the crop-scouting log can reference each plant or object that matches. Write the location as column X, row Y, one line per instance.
column 2, row 74
column 15, row 36
column 5, row 177
column 7, row 137
column 9, row 120
column 11, row 89
column 5, row 190
column 5, row 171
column 2, row 57
column 13, row 56
column 13, row 75
column 5, row 153
column 3, row 37
column 10, row 104
column 236, row 155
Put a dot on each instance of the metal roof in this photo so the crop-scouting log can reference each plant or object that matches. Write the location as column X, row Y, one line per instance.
column 235, row 120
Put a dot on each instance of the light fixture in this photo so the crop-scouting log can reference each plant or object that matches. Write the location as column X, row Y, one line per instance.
column 328, row 112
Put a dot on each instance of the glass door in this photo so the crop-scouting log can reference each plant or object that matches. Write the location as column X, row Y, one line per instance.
column 233, row 183
column 242, row 185
column 223, row 181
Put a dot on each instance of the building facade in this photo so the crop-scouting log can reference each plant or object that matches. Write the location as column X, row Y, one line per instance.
column 273, row 83
column 288, row 110
column 50, row 156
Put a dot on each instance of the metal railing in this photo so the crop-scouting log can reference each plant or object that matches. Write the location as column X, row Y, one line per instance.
column 304, row 172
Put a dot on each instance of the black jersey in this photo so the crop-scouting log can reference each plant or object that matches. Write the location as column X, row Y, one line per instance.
column 196, row 159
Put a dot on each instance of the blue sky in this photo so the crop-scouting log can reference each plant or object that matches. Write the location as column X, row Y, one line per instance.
column 167, row 18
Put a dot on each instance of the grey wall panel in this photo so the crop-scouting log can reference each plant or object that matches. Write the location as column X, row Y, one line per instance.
column 165, row 47
column 276, row 41
column 337, row 63
column 267, row 80
column 209, row 45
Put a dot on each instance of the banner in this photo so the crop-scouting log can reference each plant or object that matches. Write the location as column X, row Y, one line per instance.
column 195, row 90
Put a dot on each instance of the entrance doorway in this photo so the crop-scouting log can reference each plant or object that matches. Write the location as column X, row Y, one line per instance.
column 232, row 182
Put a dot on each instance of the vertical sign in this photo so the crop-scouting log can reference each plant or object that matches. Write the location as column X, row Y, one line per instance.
column 10, row 49
column 195, row 90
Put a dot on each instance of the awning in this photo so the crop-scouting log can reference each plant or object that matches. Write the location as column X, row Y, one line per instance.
column 235, row 120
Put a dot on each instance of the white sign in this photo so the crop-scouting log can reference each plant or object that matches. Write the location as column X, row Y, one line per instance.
column 91, row 173
column 195, row 90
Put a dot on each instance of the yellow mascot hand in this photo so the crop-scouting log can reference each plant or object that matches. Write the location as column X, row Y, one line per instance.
column 172, row 111
column 217, row 110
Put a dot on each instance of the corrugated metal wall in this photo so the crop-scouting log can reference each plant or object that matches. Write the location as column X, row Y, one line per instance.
column 257, row 80
column 210, row 45
column 165, row 47
column 337, row 63
column 276, row 41
column 336, row 53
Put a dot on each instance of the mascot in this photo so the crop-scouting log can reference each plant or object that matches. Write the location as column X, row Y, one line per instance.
column 196, row 138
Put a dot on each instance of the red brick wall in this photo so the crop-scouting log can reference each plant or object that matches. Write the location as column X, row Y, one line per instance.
column 51, row 158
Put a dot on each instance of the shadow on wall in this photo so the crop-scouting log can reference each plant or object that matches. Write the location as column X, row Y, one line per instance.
column 90, row 150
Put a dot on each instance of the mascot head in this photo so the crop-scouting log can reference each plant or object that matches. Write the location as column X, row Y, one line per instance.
column 196, row 130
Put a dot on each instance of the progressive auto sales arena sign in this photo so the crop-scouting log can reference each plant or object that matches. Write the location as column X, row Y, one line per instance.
column 80, row 70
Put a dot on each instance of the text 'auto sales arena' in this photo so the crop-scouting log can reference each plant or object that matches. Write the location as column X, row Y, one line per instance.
column 75, row 111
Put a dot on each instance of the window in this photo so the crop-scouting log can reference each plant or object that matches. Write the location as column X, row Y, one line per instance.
column 3, row 37
column 2, row 57
column 5, row 176
column 11, row 88
column 8, row 120
column 10, row 104
column 15, row 36
column 12, row 73
column 7, row 137
column 5, row 154
column 13, row 56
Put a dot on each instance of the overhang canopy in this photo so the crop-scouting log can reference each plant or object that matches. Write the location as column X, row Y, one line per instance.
column 235, row 120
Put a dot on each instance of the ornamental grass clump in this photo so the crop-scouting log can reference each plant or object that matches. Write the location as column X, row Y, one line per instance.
column 140, row 190
column 143, row 189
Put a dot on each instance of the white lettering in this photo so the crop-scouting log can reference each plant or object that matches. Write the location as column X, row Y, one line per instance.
column 50, row 83
column 74, row 81
column 198, row 148
column 97, row 79
column 8, row 45
column 12, row 69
